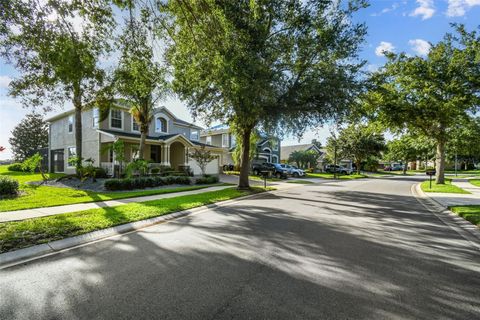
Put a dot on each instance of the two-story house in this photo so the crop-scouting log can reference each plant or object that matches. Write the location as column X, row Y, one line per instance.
column 267, row 149
column 168, row 143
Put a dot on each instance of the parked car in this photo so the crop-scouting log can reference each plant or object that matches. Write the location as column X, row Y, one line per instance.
column 228, row 167
column 395, row 167
column 275, row 169
column 293, row 171
column 330, row 168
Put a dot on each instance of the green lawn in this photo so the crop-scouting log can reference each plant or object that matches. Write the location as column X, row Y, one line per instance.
column 474, row 172
column 20, row 234
column 409, row 173
column 469, row 213
column 44, row 196
column 330, row 176
column 475, row 182
column 300, row 181
column 443, row 188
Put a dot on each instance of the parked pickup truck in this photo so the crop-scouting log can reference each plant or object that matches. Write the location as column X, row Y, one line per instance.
column 274, row 168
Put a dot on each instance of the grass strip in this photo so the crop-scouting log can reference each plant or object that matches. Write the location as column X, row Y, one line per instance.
column 20, row 234
column 469, row 213
column 339, row 176
column 300, row 181
column 448, row 187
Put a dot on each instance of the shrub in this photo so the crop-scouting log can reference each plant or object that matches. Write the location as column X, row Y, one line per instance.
column 100, row 173
column 144, row 182
column 8, row 186
column 15, row 167
column 207, row 180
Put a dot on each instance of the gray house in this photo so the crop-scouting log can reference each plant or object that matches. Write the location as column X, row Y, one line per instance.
column 168, row 143
column 268, row 148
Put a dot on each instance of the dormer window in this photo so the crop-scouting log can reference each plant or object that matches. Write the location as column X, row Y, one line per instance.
column 116, row 119
column 194, row 135
column 161, row 125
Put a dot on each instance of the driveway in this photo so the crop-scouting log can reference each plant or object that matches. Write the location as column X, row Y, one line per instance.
column 361, row 249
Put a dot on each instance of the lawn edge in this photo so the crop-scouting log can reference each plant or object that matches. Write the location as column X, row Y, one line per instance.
column 20, row 256
column 463, row 227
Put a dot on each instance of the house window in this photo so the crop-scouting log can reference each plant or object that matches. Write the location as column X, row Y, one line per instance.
column 234, row 140
column 208, row 140
column 274, row 144
column 224, row 140
column 95, row 117
column 116, row 117
column 135, row 126
column 194, row 135
column 70, row 124
column 161, row 125
column 71, row 153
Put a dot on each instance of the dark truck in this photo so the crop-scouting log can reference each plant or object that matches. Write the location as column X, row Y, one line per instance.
column 273, row 168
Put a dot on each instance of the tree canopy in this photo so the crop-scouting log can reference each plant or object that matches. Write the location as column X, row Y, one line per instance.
column 430, row 95
column 277, row 64
column 30, row 135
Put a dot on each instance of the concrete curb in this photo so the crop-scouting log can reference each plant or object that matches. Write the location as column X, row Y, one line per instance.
column 20, row 256
column 467, row 230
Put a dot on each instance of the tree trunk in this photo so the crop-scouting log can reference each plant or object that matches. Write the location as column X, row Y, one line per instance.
column 405, row 167
column 358, row 166
column 77, row 103
column 243, row 182
column 141, row 148
column 440, row 162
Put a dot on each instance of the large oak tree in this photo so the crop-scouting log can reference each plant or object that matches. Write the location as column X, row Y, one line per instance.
column 431, row 95
column 56, row 46
column 279, row 65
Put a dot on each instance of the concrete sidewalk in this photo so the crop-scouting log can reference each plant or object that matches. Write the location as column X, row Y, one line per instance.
column 50, row 211
column 455, row 199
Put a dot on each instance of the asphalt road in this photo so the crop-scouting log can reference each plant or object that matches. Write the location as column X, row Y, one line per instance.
column 363, row 249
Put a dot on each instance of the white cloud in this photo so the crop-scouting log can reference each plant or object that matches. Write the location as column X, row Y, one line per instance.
column 386, row 10
column 420, row 46
column 425, row 9
column 384, row 47
column 458, row 8
column 5, row 81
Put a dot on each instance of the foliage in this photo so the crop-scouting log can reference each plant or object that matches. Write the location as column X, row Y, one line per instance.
column 464, row 142
column 8, row 186
column 430, row 95
column 34, row 163
column 202, row 157
column 30, row 135
column 88, row 170
column 304, row 158
column 469, row 213
column 19, row 234
column 144, row 182
column 280, row 65
column 118, row 149
column 137, row 167
column 359, row 142
column 58, row 57
column 139, row 78
column 206, row 180
column 16, row 167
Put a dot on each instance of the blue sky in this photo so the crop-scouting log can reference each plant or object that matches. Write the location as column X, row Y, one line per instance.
column 392, row 25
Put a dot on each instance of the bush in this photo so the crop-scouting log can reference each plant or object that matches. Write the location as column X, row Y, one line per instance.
column 144, row 182
column 207, row 180
column 100, row 173
column 15, row 167
column 8, row 186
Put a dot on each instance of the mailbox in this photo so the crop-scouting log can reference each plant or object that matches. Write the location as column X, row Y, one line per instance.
column 430, row 172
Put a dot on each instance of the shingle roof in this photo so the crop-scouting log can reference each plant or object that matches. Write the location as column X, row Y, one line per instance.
column 287, row 150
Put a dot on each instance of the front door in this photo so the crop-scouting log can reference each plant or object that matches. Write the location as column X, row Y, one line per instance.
column 58, row 161
column 155, row 152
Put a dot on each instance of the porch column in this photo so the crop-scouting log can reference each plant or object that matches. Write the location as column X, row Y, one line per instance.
column 186, row 156
column 166, row 155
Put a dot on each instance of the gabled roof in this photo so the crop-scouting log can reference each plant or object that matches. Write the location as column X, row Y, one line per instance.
column 287, row 150
column 175, row 119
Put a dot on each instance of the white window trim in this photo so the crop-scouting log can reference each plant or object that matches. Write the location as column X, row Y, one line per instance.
column 159, row 130
column 275, row 143
column 274, row 156
column 73, row 123
column 208, row 138
column 267, row 150
column 223, row 140
column 197, row 136
column 97, row 125
column 110, row 120
column 69, row 166
column 133, row 121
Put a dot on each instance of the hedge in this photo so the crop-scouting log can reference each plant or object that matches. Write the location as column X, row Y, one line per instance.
column 207, row 180
column 15, row 167
column 144, row 182
column 8, row 186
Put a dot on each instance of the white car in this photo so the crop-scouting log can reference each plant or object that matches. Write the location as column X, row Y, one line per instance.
column 293, row 171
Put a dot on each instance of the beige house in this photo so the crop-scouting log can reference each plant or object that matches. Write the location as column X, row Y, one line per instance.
column 168, row 143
